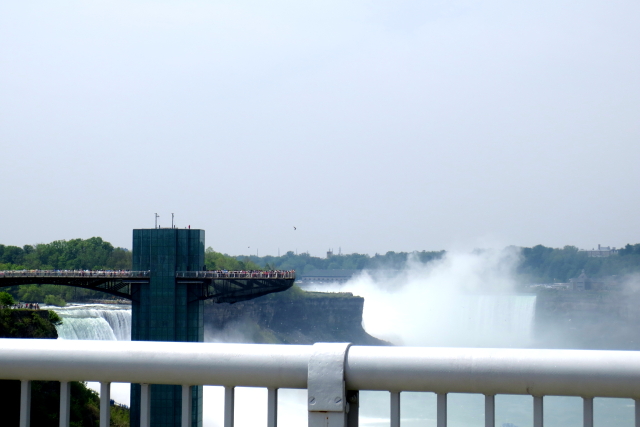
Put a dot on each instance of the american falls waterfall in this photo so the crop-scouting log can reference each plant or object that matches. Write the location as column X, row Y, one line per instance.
column 94, row 322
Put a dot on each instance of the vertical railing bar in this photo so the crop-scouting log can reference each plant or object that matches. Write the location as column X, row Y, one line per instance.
column 187, row 397
column 105, row 404
column 538, row 412
column 489, row 410
column 442, row 409
column 272, row 407
column 637, row 412
column 353, row 402
column 587, row 411
column 145, row 405
column 65, row 403
column 25, row 403
column 229, row 406
column 395, row 408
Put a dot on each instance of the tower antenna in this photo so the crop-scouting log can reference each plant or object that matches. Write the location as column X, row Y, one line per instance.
column 157, row 216
column 172, row 220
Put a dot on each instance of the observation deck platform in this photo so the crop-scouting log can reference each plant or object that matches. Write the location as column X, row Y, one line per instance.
column 219, row 286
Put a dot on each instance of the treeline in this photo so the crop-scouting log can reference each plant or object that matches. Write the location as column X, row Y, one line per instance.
column 304, row 263
column 538, row 264
column 541, row 264
column 76, row 254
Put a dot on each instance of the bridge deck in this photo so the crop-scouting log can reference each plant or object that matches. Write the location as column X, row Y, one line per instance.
column 220, row 286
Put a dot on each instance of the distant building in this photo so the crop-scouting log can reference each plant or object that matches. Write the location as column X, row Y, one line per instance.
column 585, row 283
column 601, row 252
column 581, row 283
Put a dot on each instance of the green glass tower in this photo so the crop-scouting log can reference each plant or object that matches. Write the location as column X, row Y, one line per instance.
column 164, row 310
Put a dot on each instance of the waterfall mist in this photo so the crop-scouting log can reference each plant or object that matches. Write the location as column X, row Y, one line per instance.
column 463, row 299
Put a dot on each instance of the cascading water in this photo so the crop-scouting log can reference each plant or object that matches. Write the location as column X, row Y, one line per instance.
column 94, row 322
column 492, row 320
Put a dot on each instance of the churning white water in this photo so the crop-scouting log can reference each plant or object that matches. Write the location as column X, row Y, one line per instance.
column 94, row 322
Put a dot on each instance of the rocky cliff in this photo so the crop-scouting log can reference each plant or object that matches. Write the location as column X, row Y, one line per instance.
column 293, row 317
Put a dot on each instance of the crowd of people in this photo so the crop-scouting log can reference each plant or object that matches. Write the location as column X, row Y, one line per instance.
column 257, row 274
column 27, row 305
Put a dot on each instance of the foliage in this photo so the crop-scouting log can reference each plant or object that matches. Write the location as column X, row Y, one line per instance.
column 54, row 318
column 54, row 300
column 119, row 416
column 218, row 261
column 630, row 250
column 77, row 254
column 6, row 299
column 545, row 265
column 26, row 323
column 304, row 263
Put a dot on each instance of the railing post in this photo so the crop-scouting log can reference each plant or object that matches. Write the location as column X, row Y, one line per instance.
column 145, row 405
column 325, row 385
column 105, row 404
column 25, row 403
column 637, row 405
column 229, row 406
column 489, row 410
column 587, row 411
column 272, row 407
column 441, row 410
column 395, row 409
column 65, row 403
column 186, row 406
column 353, row 408
column 538, row 412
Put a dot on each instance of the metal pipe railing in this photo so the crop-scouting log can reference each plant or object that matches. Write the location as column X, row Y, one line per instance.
column 539, row 373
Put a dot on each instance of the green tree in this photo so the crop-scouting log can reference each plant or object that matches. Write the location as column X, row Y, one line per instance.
column 6, row 299
column 54, row 300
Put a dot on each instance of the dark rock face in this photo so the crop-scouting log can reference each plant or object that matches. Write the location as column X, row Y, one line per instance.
column 589, row 320
column 289, row 321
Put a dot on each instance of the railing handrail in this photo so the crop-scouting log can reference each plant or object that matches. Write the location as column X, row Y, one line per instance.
column 249, row 274
column 585, row 373
column 74, row 273
column 221, row 274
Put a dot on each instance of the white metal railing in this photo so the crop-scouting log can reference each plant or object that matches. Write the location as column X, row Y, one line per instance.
column 332, row 373
column 222, row 274
column 125, row 274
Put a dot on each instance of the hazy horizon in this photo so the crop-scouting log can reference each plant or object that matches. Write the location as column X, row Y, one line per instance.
column 369, row 126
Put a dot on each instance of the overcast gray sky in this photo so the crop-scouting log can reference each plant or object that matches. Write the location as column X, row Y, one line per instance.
column 368, row 125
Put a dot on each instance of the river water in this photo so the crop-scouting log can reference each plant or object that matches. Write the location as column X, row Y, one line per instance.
column 512, row 316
